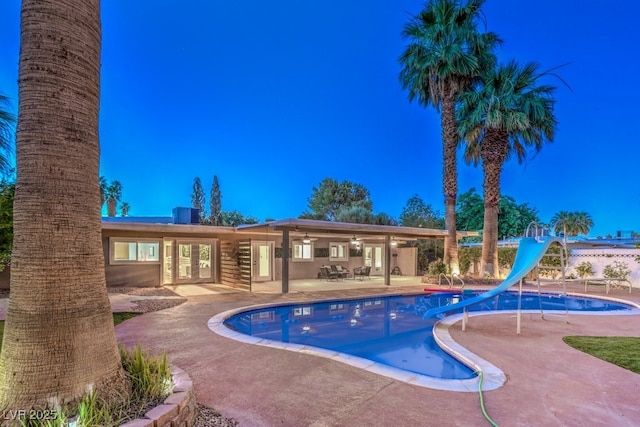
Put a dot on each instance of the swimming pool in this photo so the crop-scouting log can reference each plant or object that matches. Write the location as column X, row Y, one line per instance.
column 388, row 330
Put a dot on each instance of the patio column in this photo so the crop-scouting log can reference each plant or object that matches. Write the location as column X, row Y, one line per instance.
column 387, row 260
column 285, row 261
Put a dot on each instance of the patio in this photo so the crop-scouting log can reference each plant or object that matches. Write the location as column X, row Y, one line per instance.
column 549, row 383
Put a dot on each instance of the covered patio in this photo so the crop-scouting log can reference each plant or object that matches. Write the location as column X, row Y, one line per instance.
column 298, row 270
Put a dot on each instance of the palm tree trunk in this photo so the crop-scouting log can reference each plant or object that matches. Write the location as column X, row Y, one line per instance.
column 111, row 207
column 59, row 339
column 494, row 151
column 450, row 180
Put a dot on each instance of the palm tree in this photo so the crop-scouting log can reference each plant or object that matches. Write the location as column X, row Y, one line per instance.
column 59, row 340
column 502, row 116
column 103, row 190
column 7, row 121
column 112, row 195
column 124, row 209
column 572, row 223
column 446, row 53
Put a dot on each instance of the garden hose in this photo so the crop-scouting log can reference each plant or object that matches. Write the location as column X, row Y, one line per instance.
column 484, row 410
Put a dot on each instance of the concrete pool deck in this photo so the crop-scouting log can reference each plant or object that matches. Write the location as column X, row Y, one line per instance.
column 548, row 382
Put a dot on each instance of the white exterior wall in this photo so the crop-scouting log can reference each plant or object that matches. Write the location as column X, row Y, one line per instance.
column 599, row 258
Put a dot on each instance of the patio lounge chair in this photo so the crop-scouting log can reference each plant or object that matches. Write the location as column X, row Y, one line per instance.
column 361, row 272
column 327, row 274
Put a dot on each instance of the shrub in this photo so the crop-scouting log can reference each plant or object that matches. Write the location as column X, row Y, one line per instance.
column 468, row 256
column 437, row 267
column 506, row 256
column 584, row 270
column 617, row 270
column 150, row 383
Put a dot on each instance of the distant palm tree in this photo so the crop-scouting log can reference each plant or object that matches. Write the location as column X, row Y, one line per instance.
column 103, row 190
column 508, row 112
column 7, row 132
column 124, row 209
column 572, row 223
column 112, row 195
column 446, row 53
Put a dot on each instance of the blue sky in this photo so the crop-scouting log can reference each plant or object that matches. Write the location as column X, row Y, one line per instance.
column 272, row 97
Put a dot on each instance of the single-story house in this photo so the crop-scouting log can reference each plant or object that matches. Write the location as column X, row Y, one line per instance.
column 157, row 251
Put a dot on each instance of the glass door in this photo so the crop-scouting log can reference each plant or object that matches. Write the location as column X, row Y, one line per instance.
column 189, row 261
column 204, row 270
column 262, row 263
column 374, row 258
column 184, row 261
column 167, row 263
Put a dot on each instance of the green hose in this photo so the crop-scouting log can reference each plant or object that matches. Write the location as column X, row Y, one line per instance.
column 484, row 410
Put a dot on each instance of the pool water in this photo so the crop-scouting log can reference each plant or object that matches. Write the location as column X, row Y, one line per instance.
column 391, row 330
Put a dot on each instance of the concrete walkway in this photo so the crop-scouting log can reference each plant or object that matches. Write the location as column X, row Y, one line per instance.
column 549, row 383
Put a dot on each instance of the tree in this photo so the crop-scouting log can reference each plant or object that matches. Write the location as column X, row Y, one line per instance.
column 124, row 209
column 59, row 340
column 470, row 212
column 331, row 196
column 513, row 217
column 112, row 196
column 446, row 53
column 382, row 218
column 197, row 198
column 215, row 203
column 505, row 114
column 572, row 223
column 7, row 131
column 103, row 190
column 235, row 218
column 417, row 213
column 355, row 214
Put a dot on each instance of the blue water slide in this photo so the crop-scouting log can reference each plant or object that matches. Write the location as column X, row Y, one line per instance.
column 530, row 252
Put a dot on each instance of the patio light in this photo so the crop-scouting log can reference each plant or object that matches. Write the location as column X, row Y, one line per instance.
column 394, row 242
column 306, row 239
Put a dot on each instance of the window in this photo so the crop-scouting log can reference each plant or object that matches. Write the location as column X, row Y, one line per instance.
column 263, row 316
column 128, row 251
column 338, row 251
column 302, row 251
column 302, row 311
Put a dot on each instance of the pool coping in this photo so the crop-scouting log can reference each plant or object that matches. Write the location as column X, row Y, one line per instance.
column 492, row 376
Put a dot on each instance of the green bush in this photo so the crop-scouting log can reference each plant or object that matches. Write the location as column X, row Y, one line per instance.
column 506, row 256
column 617, row 270
column 584, row 270
column 437, row 267
column 467, row 256
column 150, row 383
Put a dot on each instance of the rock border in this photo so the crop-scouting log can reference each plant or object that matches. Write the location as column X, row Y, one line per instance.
column 179, row 408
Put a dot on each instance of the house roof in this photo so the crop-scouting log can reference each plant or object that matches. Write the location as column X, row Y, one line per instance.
column 314, row 228
column 318, row 228
column 166, row 228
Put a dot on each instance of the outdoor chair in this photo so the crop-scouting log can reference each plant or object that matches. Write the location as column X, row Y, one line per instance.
column 327, row 274
column 361, row 272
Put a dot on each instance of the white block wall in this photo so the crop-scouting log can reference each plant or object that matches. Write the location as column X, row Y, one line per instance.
column 599, row 258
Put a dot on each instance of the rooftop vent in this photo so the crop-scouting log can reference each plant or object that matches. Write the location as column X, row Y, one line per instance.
column 183, row 215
